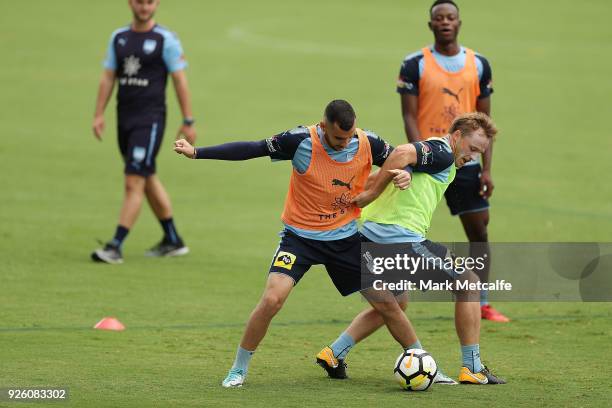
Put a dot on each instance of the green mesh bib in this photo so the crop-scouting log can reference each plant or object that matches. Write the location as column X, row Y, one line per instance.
column 411, row 208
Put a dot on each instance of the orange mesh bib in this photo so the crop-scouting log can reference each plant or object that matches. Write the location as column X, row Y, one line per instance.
column 443, row 95
column 319, row 199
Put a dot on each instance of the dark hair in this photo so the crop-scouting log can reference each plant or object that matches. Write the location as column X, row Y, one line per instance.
column 341, row 112
column 438, row 2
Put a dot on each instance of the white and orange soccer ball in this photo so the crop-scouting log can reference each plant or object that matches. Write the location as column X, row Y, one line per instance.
column 415, row 370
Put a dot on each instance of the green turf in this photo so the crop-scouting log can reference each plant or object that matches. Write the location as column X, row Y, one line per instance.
column 257, row 68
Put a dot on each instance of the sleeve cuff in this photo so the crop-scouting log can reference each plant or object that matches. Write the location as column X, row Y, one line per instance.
column 177, row 67
column 404, row 91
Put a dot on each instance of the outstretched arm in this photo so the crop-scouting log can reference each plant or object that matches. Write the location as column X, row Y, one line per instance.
column 279, row 147
column 226, row 151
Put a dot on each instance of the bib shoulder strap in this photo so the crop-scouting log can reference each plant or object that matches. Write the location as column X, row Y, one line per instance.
column 364, row 142
column 470, row 57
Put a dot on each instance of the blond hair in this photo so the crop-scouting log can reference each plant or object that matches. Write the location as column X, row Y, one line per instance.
column 469, row 122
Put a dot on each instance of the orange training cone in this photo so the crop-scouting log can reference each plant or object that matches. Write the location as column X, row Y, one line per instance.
column 109, row 323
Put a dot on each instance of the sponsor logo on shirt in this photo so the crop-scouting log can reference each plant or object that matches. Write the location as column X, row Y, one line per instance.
column 131, row 66
column 149, row 46
column 451, row 93
column 341, row 203
column 337, row 182
column 386, row 150
column 403, row 84
column 270, row 143
column 426, row 154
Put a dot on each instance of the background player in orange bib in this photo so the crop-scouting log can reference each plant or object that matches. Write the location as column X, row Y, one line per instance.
column 436, row 84
column 331, row 165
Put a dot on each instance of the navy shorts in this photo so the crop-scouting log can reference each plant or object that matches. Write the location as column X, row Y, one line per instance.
column 341, row 258
column 463, row 194
column 140, row 136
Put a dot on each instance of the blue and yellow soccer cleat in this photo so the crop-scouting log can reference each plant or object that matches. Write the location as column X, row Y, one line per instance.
column 482, row 377
column 234, row 379
column 336, row 368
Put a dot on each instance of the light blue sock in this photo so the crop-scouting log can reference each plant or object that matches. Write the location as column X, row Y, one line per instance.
column 243, row 357
column 484, row 297
column 471, row 357
column 342, row 345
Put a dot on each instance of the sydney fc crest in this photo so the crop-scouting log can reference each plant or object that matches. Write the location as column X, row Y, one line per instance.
column 149, row 46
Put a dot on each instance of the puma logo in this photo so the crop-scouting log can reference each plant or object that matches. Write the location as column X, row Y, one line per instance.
column 451, row 93
column 336, row 182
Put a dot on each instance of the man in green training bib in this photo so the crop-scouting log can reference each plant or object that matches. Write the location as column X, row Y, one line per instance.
column 394, row 216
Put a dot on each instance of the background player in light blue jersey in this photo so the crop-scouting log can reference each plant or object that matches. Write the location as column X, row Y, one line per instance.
column 139, row 58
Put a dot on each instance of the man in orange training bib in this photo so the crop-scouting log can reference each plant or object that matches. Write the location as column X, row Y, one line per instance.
column 436, row 84
column 331, row 165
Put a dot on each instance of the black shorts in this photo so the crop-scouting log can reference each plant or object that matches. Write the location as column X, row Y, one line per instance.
column 140, row 136
column 463, row 194
column 295, row 255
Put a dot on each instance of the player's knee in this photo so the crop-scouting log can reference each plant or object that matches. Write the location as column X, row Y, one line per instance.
column 151, row 183
column 471, row 293
column 467, row 295
column 271, row 303
column 476, row 227
column 387, row 309
column 479, row 234
column 134, row 185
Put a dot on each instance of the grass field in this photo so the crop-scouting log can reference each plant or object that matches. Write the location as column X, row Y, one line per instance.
column 257, row 68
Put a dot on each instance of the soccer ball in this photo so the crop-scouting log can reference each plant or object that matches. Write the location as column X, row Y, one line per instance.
column 415, row 370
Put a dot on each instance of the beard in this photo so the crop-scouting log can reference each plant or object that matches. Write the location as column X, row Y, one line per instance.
column 143, row 20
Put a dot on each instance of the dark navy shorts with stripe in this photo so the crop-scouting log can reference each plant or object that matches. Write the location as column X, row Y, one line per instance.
column 140, row 136
column 463, row 194
column 341, row 258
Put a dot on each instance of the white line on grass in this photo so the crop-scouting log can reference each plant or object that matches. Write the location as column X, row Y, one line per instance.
column 248, row 36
